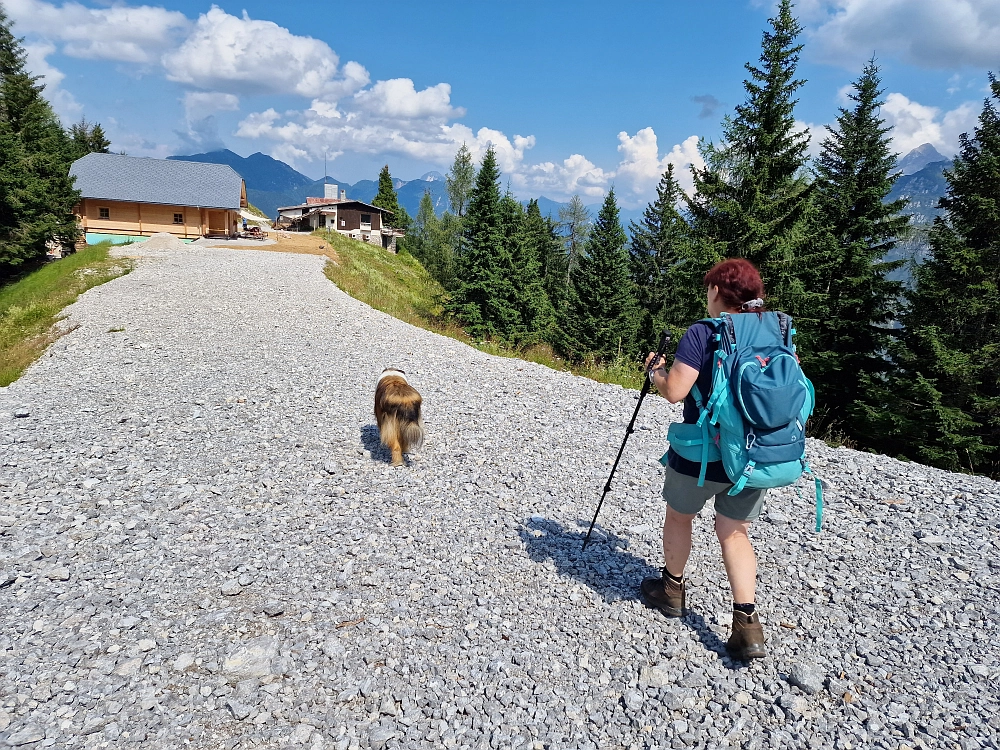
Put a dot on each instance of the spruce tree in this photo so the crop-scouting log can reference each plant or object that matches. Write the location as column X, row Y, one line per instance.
column 666, row 267
column 429, row 240
column 445, row 238
column 422, row 229
column 752, row 198
column 87, row 138
column 482, row 300
column 532, row 303
column 942, row 405
column 845, row 316
column 386, row 198
column 35, row 187
column 541, row 235
column 600, row 317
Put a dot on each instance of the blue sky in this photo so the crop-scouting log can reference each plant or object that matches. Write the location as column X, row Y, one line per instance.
column 575, row 96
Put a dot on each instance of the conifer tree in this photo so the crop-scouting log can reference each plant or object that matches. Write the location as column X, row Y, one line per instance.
column 36, row 191
column 752, row 198
column 666, row 267
column 532, row 303
column 420, row 237
column 600, row 316
column 542, row 236
column 574, row 220
column 386, row 198
column 849, row 303
column 459, row 181
column 446, row 238
column 482, row 300
column 88, row 138
column 942, row 405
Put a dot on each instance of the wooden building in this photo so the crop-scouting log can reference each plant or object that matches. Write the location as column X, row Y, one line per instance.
column 125, row 197
column 356, row 219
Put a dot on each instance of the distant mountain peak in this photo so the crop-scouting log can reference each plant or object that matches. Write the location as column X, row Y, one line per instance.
column 919, row 158
column 431, row 177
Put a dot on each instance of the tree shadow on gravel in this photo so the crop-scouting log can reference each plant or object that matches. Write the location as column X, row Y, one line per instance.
column 601, row 569
column 372, row 442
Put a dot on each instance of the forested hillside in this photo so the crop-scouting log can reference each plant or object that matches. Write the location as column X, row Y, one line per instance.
column 829, row 235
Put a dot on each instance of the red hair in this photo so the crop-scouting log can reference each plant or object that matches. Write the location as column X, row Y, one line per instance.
column 739, row 282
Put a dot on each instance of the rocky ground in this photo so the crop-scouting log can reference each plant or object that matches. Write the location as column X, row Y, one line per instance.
column 202, row 544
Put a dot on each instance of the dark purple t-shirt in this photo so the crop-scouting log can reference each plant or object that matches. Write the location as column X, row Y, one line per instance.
column 696, row 349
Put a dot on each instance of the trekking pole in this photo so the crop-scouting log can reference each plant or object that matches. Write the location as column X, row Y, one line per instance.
column 646, row 385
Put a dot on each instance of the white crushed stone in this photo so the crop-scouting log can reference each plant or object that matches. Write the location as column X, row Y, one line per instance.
column 224, row 441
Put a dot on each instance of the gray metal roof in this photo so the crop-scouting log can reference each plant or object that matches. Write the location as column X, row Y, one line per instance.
column 115, row 177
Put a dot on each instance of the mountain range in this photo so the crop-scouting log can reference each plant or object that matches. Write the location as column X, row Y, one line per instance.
column 922, row 188
column 272, row 183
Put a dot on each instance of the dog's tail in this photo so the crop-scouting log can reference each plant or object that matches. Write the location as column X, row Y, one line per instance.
column 412, row 434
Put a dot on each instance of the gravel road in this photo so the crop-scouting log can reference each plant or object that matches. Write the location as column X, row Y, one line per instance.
column 202, row 545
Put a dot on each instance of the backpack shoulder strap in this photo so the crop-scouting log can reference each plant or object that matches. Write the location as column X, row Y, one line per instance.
column 785, row 324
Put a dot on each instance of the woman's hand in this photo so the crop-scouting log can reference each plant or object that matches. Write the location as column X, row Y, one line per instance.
column 674, row 384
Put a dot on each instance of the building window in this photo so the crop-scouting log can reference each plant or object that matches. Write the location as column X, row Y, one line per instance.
column 366, row 221
column 343, row 222
column 103, row 213
column 178, row 218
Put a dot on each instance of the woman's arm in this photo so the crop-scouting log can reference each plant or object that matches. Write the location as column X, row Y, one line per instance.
column 675, row 384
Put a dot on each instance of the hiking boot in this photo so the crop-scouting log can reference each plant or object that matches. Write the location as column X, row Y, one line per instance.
column 664, row 594
column 747, row 640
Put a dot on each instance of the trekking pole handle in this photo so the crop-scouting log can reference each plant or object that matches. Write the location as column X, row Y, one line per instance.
column 661, row 347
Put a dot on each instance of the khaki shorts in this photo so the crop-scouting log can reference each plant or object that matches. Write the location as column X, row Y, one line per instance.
column 683, row 494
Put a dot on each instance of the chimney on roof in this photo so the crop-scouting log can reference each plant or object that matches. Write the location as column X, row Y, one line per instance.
column 343, row 195
column 329, row 191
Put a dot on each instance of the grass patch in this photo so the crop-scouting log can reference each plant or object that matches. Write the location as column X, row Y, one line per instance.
column 31, row 306
column 399, row 285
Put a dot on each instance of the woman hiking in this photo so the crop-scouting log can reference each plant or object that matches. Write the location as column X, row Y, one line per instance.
column 733, row 286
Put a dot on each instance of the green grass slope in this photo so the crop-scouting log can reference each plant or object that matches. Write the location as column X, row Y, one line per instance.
column 32, row 305
column 400, row 286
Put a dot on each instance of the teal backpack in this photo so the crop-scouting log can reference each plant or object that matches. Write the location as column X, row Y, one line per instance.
column 755, row 417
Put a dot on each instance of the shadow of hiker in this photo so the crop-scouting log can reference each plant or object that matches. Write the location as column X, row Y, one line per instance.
column 372, row 442
column 608, row 569
column 601, row 567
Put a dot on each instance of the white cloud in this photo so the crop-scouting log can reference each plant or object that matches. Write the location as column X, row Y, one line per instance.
column 63, row 102
column 132, row 34
column 641, row 166
column 392, row 117
column 930, row 33
column 398, row 99
column 914, row 124
column 576, row 175
column 817, row 134
column 243, row 55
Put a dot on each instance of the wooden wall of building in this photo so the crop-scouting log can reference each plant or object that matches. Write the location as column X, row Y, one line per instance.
column 150, row 218
column 349, row 219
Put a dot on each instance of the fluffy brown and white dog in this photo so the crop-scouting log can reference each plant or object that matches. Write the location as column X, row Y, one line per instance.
column 397, row 412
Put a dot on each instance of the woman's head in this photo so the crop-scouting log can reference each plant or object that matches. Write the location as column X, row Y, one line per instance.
column 738, row 284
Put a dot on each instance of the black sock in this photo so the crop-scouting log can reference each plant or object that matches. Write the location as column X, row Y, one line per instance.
column 672, row 577
column 747, row 609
